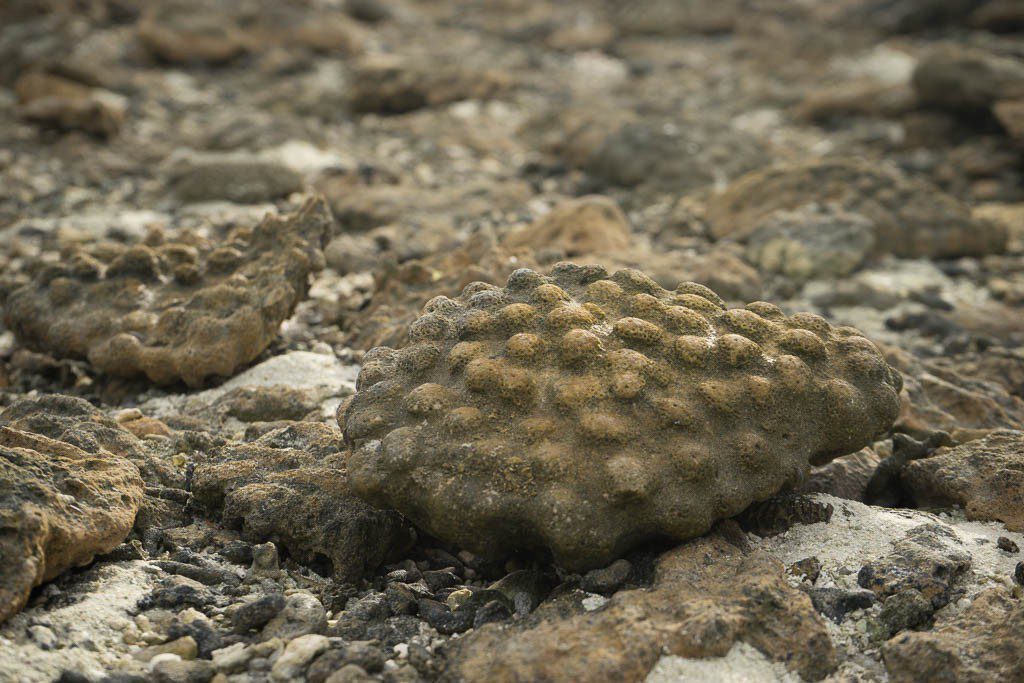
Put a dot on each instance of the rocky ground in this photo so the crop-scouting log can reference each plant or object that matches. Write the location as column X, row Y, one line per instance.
column 210, row 213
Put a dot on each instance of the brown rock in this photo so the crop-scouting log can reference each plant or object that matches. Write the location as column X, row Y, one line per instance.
column 290, row 487
column 966, row 79
column 1011, row 114
column 386, row 84
column 587, row 225
column 173, row 311
column 985, row 477
column 59, row 507
column 707, row 595
column 978, row 645
column 189, row 32
column 845, row 477
column 68, row 105
column 911, row 217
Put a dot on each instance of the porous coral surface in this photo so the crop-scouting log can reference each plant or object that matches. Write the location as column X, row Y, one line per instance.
column 174, row 310
column 584, row 412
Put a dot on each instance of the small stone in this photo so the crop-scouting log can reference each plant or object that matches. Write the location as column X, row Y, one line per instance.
column 350, row 673
column 1018, row 573
column 264, row 562
column 45, row 638
column 1006, row 544
column 809, row 568
column 302, row 614
column 836, row 603
column 400, row 598
column 232, row 659
column 608, row 579
column 238, row 552
column 907, row 609
column 444, row 620
column 367, row 654
column 492, row 612
column 185, row 648
column 256, row 614
column 171, row 671
column 436, row 580
column 456, row 598
column 297, row 655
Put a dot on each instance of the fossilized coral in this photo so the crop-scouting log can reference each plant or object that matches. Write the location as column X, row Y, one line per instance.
column 173, row 311
column 584, row 412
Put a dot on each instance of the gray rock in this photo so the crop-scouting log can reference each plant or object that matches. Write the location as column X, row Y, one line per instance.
column 257, row 613
column 302, row 614
column 608, row 579
column 240, row 180
column 835, row 603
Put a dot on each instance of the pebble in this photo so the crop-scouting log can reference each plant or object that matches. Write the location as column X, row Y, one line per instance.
column 297, row 656
column 44, row 637
column 256, row 614
column 609, row 579
column 1008, row 545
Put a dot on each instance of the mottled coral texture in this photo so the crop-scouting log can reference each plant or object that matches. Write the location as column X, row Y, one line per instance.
column 584, row 413
column 173, row 310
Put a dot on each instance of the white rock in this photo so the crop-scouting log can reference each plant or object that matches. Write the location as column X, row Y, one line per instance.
column 297, row 655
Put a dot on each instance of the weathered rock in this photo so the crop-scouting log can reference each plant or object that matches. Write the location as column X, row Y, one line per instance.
column 387, row 84
column 588, row 225
column 962, row 79
column 302, row 614
column 984, row 477
column 584, row 412
column 174, row 311
column 911, row 217
column 290, row 487
column 240, row 179
column 845, row 477
column 60, row 505
column 813, row 241
column 68, row 105
column 981, row 643
column 669, row 18
column 191, row 33
column 707, row 595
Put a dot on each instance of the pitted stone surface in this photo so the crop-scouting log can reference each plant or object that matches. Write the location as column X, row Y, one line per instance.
column 583, row 412
column 173, row 310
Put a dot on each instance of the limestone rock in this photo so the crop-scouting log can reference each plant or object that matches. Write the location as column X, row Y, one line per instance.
column 60, row 506
column 173, row 311
column 962, row 79
column 984, row 477
column 706, row 596
column 587, row 225
column 584, row 412
column 290, row 487
column 813, row 241
column 911, row 217
column 387, row 84
column 982, row 643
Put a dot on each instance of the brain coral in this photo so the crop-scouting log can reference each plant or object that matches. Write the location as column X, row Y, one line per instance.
column 173, row 310
column 584, row 412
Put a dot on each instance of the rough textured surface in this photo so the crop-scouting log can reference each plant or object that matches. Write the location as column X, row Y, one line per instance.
column 173, row 311
column 593, row 224
column 984, row 477
column 707, row 595
column 982, row 643
column 59, row 506
column 912, row 218
column 290, row 487
column 583, row 412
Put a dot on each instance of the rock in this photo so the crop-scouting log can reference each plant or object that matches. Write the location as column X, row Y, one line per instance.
column 885, row 487
column 184, row 648
column 524, row 589
column 963, row 79
column 911, row 218
column 1010, row 114
column 980, row 643
column 609, row 579
column 1001, row 16
column 672, row 157
column 264, row 562
column 290, row 486
column 984, row 477
column 387, row 84
column 707, row 596
column 909, row 16
column 572, row 457
column 239, row 179
column 1018, row 573
column 175, row 311
column 60, row 505
column 836, row 603
column 267, row 404
column 1007, row 545
column 588, row 225
column 178, row 592
column 925, row 560
column 668, row 18
column 297, row 656
column 811, row 242
column 171, row 671
column 350, row 673
column 808, row 569
column 255, row 614
column 907, row 609
column 845, row 477
column 302, row 614
column 61, row 103
column 191, row 33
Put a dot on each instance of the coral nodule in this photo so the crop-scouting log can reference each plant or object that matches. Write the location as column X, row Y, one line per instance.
column 585, row 413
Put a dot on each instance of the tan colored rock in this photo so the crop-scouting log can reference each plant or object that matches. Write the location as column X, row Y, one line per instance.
column 173, row 311
column 1011, row 114
column 389, row 84
column 68, row 105
column 985, row 477
column 978, row 645
column 706, row 596
column 588, row 225
column 912, row 218
column 584, row 412
column 59, row 507
column 188, row 32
